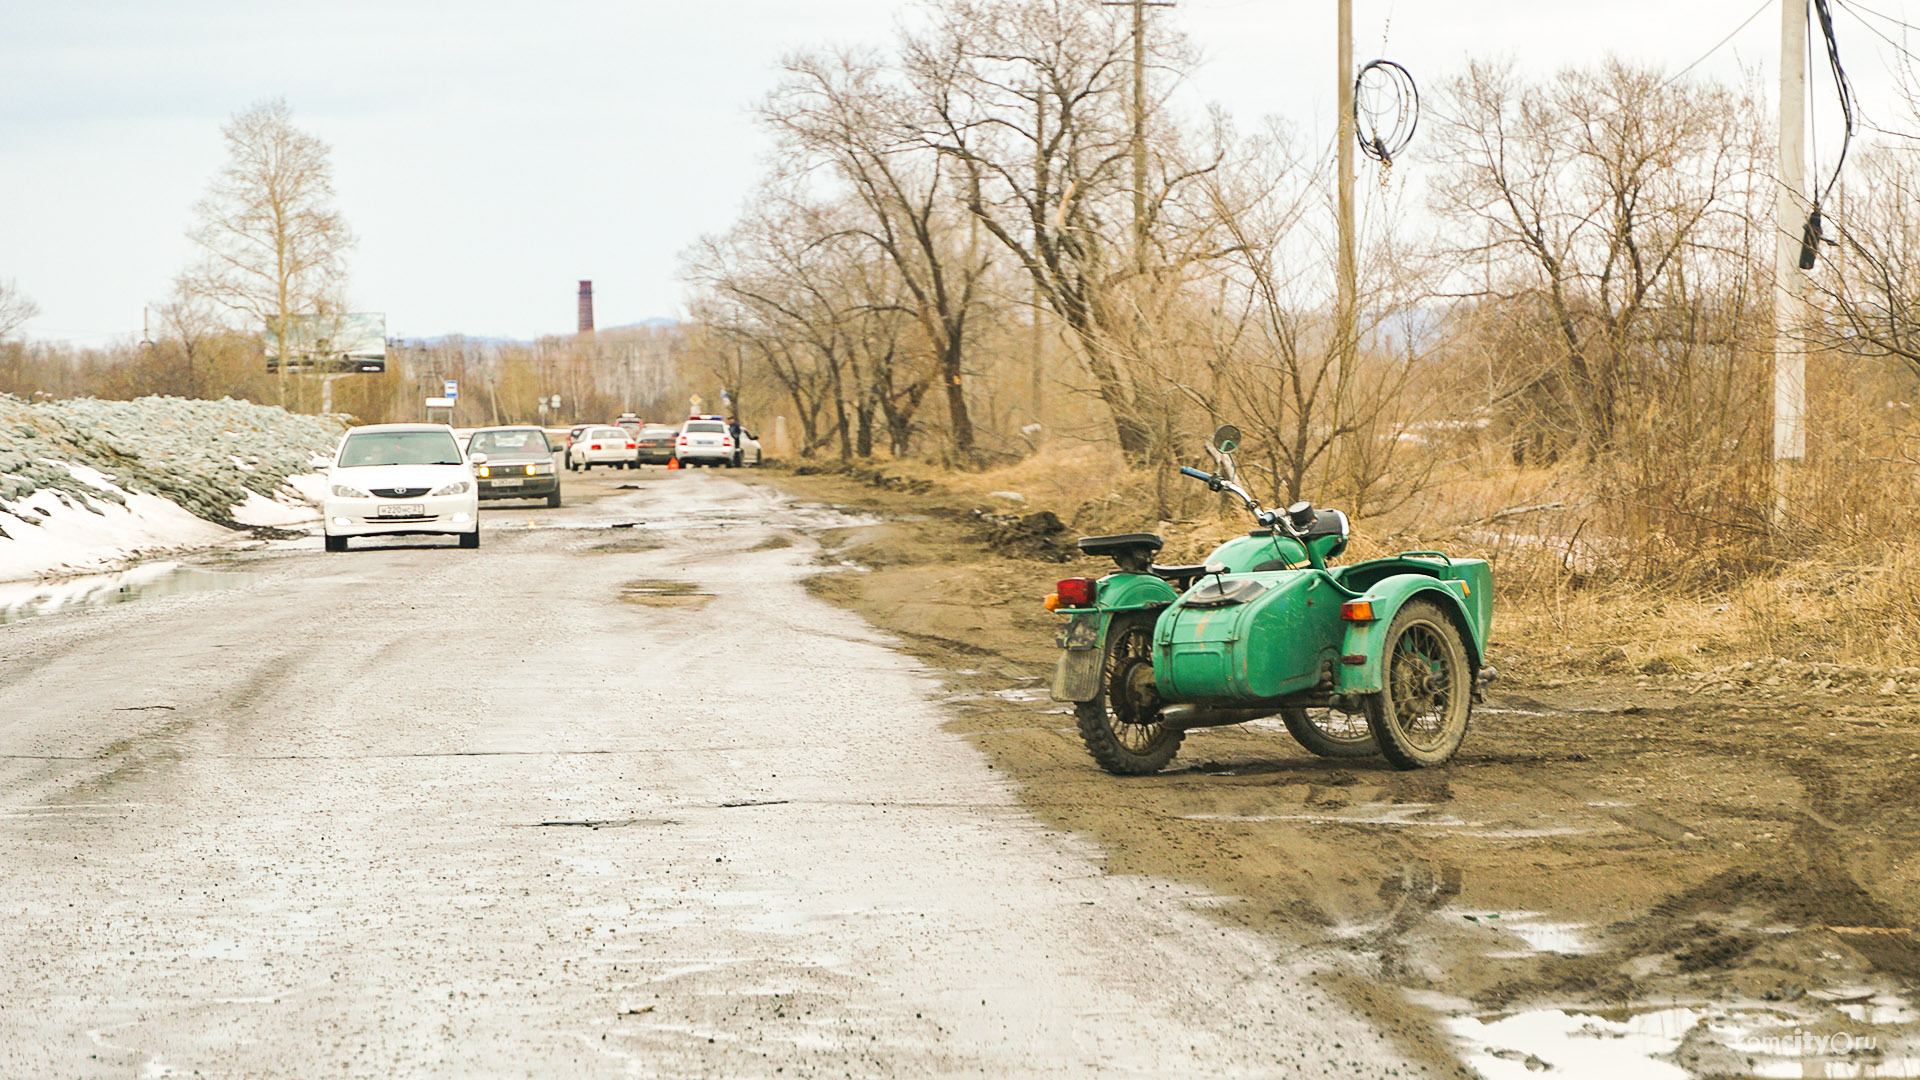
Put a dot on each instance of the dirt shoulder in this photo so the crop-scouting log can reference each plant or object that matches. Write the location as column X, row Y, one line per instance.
column 1743, row 840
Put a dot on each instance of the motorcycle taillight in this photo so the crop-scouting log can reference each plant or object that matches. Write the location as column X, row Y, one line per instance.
column 1075, row 592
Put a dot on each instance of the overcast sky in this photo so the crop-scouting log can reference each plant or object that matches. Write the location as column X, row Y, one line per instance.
column 490, row 154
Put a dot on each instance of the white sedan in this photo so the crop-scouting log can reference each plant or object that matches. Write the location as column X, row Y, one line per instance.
column 399, row 479
column 602, row 445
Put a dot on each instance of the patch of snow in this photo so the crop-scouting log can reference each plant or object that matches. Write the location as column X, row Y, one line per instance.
column 293, row 507
column 47, row 535
column 311, row 486
column 1575, row 1045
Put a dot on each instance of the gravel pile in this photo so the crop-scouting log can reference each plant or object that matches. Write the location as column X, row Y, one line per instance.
column 206, row 456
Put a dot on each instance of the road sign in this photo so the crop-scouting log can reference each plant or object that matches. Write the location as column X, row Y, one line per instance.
column 439, row 403
column 453, row 389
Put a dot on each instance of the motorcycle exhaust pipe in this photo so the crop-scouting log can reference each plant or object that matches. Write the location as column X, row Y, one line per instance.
column 1188, row 716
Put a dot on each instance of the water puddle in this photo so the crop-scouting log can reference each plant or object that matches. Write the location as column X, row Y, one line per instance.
column 1534, row 931
column 1576, row 1045
column 29, row 599
column 1398, row 815
column 659, row 593
column 1680, row 1042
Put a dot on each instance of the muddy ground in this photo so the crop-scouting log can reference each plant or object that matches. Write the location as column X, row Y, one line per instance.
column 1742, row 841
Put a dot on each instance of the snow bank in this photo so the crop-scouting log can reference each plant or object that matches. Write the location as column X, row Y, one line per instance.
column 88, row 485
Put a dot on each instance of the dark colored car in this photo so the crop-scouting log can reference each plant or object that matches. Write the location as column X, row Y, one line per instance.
column 519, row 464
column 655, row 444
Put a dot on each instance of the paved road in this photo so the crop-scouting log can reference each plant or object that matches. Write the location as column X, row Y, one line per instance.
column 589, row 801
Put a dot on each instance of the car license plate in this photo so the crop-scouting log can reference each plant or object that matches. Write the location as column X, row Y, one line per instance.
column 515, row 482
column 401, row 510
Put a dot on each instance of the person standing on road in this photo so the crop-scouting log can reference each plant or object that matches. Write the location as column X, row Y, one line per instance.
column 733, row 430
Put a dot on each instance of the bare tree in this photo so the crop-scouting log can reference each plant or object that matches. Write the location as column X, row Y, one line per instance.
column 1029, row 99
column 1872, row 283
column 1610, row 201
column 843, row 111
column 271, row 244
column 1271, row 349
column 16, row 307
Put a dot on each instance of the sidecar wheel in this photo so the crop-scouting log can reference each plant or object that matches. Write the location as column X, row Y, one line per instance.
column 1122, row 726
column 1331, row 733
column 1421, row 716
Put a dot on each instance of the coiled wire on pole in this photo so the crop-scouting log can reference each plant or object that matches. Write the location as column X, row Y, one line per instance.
column 1386, row 110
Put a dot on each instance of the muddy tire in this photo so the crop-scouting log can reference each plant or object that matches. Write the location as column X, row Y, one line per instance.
column 1122, row 726
column 553, row 499
column 1331, row 733
column 335, row 543
column 1421, row 716
column 470, row 540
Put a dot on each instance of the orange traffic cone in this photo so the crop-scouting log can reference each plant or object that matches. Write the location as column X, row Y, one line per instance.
column 673, row 463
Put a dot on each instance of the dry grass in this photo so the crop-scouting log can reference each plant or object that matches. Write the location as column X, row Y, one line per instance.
column 1575, row 596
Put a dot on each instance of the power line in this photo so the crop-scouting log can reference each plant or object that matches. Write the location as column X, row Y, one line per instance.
column 1385, row 127
column 1908, row 55
column 1863, row 9
column 1669, row 81
column 1844, row 88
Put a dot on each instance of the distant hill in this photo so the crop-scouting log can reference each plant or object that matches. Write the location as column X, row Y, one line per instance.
column 654, row 323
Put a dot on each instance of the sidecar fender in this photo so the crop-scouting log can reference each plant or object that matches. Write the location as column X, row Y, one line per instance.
column 1083, row 640
column 1363, row 655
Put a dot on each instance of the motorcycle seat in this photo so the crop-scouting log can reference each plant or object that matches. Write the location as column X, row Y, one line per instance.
column 1121, row 543
column 1132, row 551
column 1181, row 577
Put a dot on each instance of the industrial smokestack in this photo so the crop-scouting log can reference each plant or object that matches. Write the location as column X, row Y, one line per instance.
column 586, row 307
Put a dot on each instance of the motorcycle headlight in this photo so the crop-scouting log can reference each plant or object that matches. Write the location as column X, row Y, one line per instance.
column 348, row 491
column 458, row 487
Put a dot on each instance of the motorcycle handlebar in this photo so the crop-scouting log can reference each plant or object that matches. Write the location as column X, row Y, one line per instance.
column 1188, row 470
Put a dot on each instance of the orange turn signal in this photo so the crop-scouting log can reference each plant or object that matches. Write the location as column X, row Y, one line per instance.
column 1357, row 611
column 1053, row 601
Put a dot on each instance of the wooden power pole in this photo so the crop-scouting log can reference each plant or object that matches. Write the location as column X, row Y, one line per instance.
column 1347, row 312
column 1791, row 207
column 1140, row 122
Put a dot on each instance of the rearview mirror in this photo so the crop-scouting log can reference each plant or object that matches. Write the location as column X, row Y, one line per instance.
column 1226, row 438
column 478, row 459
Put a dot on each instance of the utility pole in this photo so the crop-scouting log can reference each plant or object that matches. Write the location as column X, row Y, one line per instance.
column 1791, row 207
column 1140, row 122
column 1347, row 314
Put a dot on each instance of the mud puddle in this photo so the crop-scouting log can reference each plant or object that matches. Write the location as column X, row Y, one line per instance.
column 1677, row 1042
column 653, row 592
column 33, row 599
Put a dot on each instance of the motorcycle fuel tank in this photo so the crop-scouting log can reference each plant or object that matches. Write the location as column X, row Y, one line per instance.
column 1248, row 637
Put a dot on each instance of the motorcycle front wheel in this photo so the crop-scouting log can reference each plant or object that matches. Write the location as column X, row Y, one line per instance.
column 1421, row 716
column 1122, row 726
column 1331, row 733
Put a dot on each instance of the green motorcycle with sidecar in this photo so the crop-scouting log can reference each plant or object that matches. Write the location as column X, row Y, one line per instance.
column 1380, row 657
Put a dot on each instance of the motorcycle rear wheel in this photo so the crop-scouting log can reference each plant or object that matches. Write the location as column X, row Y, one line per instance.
column 1122, row 726
column 1421, row 716
column 1330, row 733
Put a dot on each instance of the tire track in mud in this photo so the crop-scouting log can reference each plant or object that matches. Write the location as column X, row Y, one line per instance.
column 142, row 754
column 206, row 684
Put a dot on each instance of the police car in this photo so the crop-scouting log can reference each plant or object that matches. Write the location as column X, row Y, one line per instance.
column 704, row 440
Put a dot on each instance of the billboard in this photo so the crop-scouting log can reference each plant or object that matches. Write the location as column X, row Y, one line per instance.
column 330, row 343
